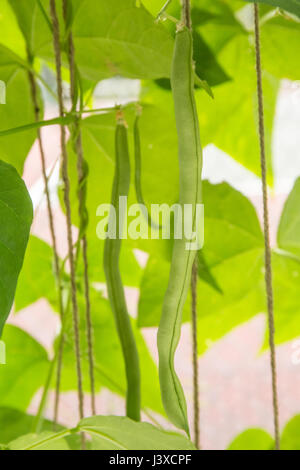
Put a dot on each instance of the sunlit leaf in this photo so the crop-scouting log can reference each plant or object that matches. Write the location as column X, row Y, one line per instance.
column 113, row 432
column 15, row 221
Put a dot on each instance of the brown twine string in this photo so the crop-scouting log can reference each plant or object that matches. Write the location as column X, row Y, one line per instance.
column 65, row 175
column 49, row 207
column 268, row 259
column 186, row 18
column 82, row 209
column 195, row 354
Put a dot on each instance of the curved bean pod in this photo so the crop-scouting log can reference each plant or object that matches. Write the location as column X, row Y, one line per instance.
column 113, row 277
column 190, row 166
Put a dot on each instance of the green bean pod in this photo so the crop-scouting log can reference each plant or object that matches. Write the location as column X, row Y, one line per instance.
column 113, row 277
column 190, row 170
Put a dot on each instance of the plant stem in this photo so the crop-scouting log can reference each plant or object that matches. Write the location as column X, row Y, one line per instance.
column 268, row 253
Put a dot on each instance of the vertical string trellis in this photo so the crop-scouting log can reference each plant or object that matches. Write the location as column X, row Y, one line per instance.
column 66, row 193
column 268, row 253
column 186, row 18
column 82, row 192
column 35, row 100
column 196, row 390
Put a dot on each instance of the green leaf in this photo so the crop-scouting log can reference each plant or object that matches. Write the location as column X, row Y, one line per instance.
column 18, row 110
column 98, row 137
column 37, row 272
column 32, row 23
column 16, row 217
column 109, row 363
column 15, row 423
column 116, row 433
column 26, row 368
column 230, row 121
column 11, row 35
column 253, row 439
column 120, row 40
column 288, row 235
column 280, row 39
column 44, row 441
column 292, row 6
column 286, row 275
column 207, row 67
column 290, row 437
column 233, row 251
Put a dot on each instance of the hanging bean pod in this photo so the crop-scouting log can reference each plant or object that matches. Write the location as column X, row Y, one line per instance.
column 113, row 277
column 190, row 168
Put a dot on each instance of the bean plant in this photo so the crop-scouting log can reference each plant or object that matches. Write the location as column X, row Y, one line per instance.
column 206, row 73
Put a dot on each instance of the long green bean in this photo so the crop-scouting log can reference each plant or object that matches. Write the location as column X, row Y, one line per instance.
column 190, row 166
column 113, row 277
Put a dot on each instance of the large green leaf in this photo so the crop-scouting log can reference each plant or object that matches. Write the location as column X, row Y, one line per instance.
column 116, row 433
column 37, row 276
column 109, row 364
column 233, row 250
column 290, row 437
column 286, row 278
column 252, row 439
column 15, row 221
column 288, row 235
column 293, row 6
column 25, row 371
column 230, row 121
column 280, row 44
column 120, row 39
column 18, row 110
column 108, row 433
column 33, row 23
column 98, row 136
column 44, row 441
column 11, row 35
column 15, row 423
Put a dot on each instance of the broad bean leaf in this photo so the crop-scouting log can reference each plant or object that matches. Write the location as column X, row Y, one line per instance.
column 290, row 437
column 25, row 371
column 258, row 439
column 15, row 221
column 280, row 44
column 252, row 439
column 117, row 433
column 120, row 39
column 292, row 6
column 108, row 433
column 44, row 441
column 15, row 423
column 233, row 244
column 230, row 121
column 286, row 276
